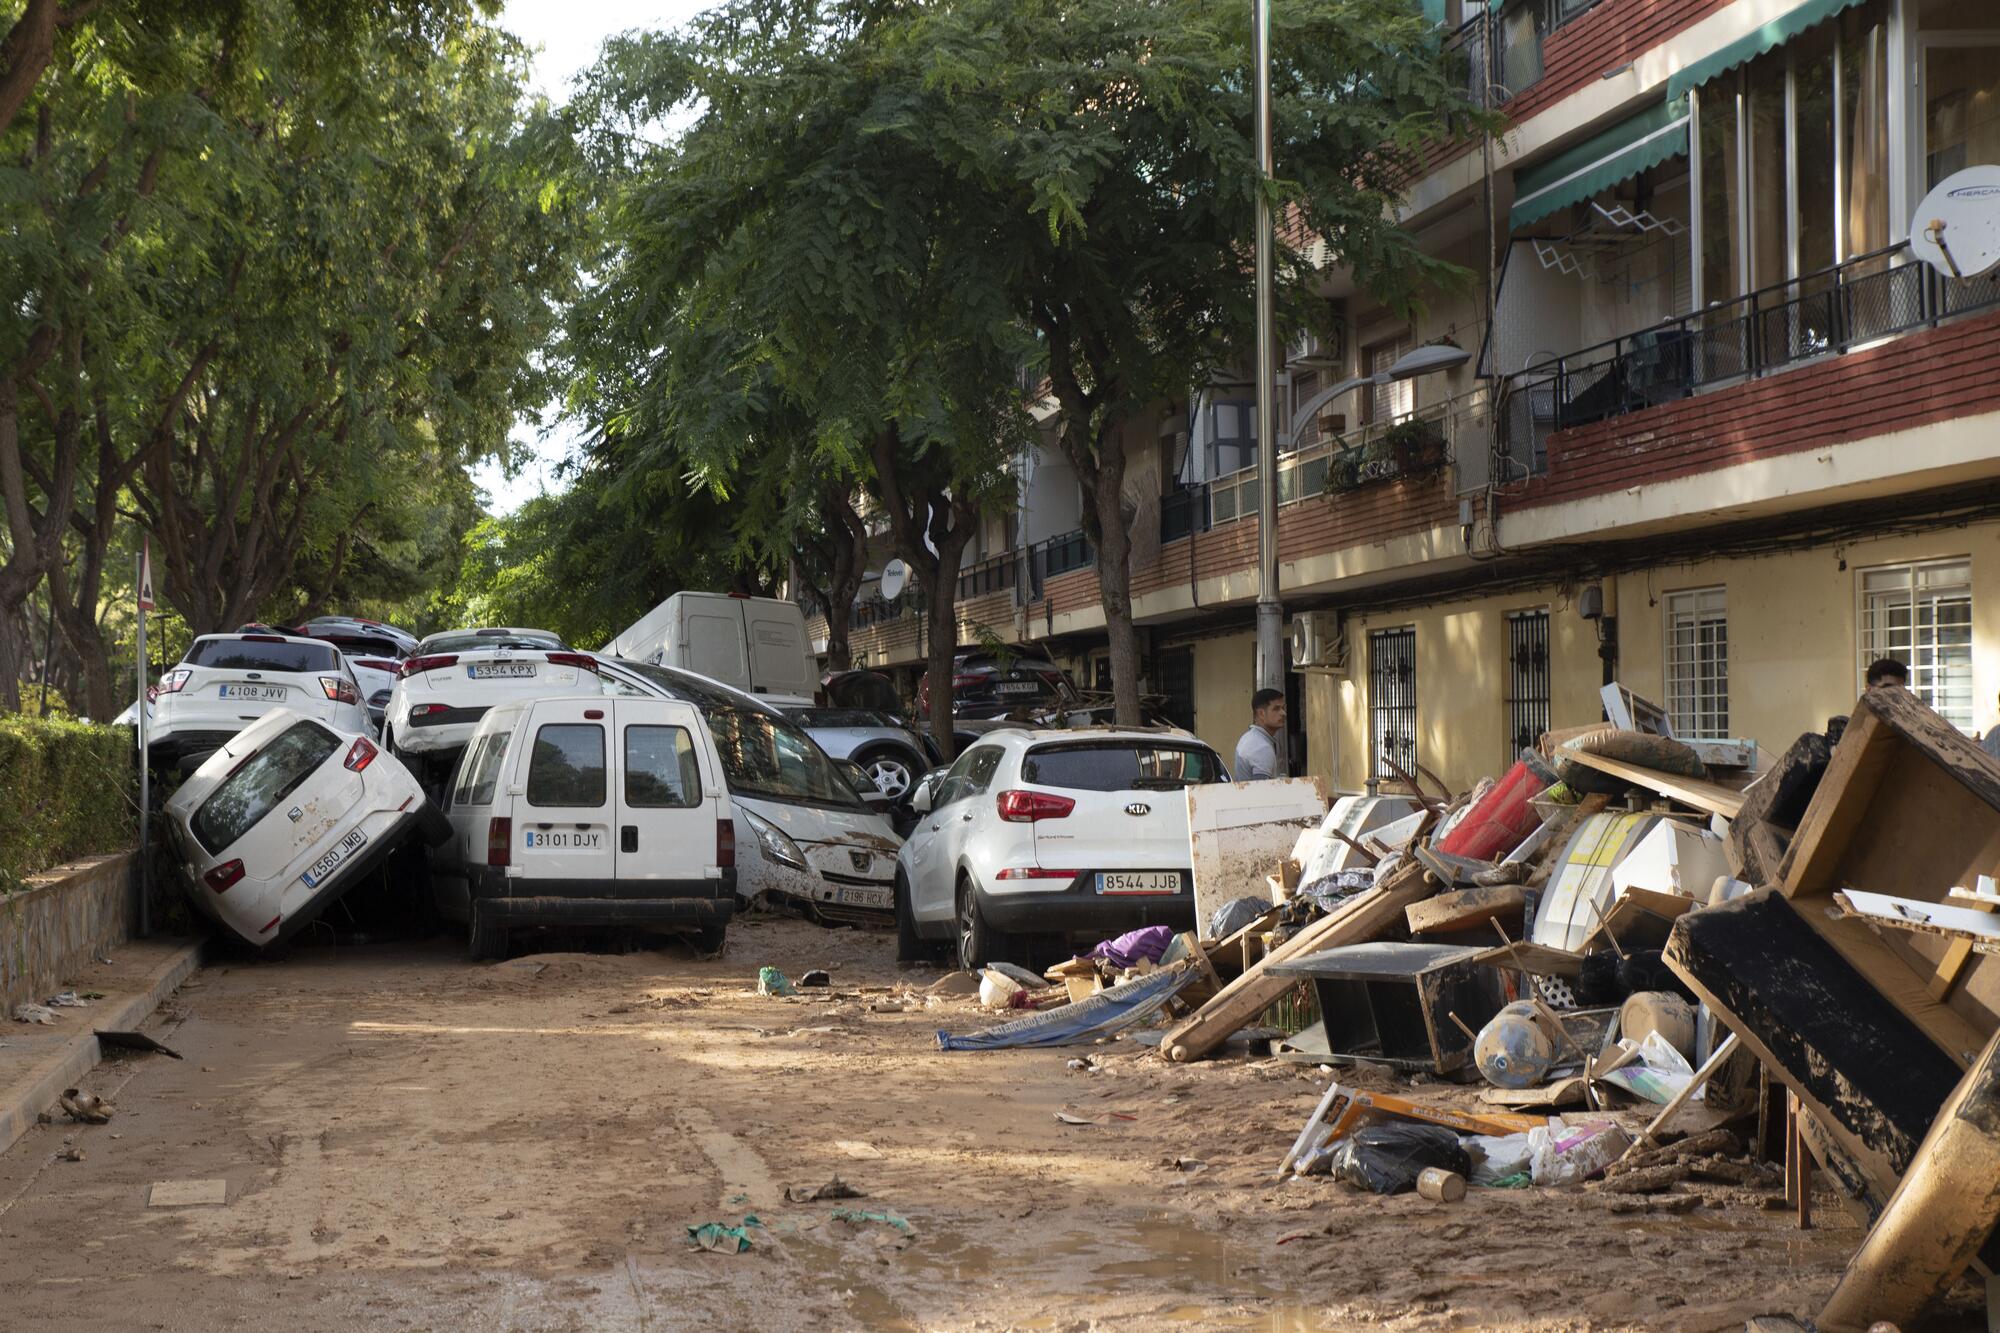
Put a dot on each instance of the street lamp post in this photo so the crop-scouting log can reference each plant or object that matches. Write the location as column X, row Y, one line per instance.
column 1270, row 611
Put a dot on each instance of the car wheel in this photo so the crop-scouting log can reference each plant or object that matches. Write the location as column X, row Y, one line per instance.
column 487, row 939
column 892, row 772
column 710, row 939
column 978, row 943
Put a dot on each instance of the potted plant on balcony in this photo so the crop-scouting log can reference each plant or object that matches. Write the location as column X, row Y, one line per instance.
column 1343, row 470
column 1417, row 447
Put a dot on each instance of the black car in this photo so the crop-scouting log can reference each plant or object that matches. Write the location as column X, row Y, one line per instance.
column 995, row 684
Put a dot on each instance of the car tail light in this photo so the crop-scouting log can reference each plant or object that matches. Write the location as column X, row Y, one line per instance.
column 725, row 844
column 583, row 661
column 499, row 841
column 378, row 664
column 340, row 689
column 428, row 710
column 1035, row 872
column 224, row 875
column 1026, row 807
column 964, row 682
column 415, row 665
column 360, row 754
column 263, row 638
column 172, row 682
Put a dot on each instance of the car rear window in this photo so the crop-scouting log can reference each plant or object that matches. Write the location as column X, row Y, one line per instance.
column 567, row 766
column 260, row 783
column 1120, row 766
column 475, row 640
column 661, row 772
column 262, row 655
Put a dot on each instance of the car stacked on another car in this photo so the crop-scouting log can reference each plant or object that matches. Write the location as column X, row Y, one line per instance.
column 373, row 650
column 991, row 684
column 224, row 682
column 286, row 816
column 890, row 754
column 445, row 687
column 1055, row 834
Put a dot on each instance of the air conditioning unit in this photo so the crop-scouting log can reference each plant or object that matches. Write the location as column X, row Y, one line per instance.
column 1305, row 642
column 1308, row 352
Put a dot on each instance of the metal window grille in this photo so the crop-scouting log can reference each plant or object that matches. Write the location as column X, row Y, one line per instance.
column 1921, row 615
column 1392, row 699
column 1527, row 679
column 1697, row 637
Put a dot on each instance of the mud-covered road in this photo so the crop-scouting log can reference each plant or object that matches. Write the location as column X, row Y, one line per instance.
column 412, row 1141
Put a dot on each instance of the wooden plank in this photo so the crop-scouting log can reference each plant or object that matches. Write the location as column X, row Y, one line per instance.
column 1562, row 1092
column 1641, row 919
column 1966, row 926
column 1467, row 907
column 1363, row 917
column 1712, row 797
column 1941, row 1212
column 1538, row 959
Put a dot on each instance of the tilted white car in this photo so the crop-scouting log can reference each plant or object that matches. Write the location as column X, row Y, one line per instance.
column 447, row 685
column 226, row 681
column 1080, row 833
column 286, row 817
column 802, row 832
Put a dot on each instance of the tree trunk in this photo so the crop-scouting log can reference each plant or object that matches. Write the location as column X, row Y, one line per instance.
column 1114, row 586
column 941, row 591
column 24, row 53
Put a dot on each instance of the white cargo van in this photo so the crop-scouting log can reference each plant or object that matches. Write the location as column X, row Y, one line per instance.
column 756, row 644
column 588, row 812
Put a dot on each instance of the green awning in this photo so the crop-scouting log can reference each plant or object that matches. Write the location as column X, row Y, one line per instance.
column 1619, row 153
column 1753, row 44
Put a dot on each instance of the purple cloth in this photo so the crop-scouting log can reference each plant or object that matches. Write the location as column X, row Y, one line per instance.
column 1148, row 942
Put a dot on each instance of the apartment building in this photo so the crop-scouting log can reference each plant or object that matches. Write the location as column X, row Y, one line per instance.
column 1706, row 426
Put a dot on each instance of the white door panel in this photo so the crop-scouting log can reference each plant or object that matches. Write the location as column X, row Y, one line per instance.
column 564, row 826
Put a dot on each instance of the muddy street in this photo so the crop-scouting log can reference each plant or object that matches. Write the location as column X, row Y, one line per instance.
column 409, row 1140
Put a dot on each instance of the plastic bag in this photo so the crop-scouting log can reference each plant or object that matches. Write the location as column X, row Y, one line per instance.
column 1563, row 1154
column 1658, row 1075
column 1233, row 916
column 1496, row 1157
column 1387, row 1159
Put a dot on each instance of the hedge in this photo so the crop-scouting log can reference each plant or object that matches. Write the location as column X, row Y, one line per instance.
column 67, row 789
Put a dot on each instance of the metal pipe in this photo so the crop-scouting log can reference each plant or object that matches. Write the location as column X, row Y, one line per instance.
column 1270, row 611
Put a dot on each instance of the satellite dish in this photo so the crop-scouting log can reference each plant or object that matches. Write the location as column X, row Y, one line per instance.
column 894, row 575
column 1956, row 229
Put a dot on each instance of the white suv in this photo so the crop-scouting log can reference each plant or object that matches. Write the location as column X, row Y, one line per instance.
column 447, row 685
column 1078, row 833
column 227, row 681
column 285, row 818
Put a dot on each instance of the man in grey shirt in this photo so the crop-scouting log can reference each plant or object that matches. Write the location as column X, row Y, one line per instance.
column 1259, row 752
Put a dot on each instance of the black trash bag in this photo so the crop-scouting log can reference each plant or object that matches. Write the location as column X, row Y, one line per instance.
column 1597, row 985
column 1233, row 916
column 1387, row 1159
column 1608, row 978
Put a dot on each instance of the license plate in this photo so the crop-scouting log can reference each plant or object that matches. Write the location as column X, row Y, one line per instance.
column 500, row 670
column 882, row 898
column 317, row 872
column 564, row 840
column 1017, row 687
column 259, row 692
column 1138, row 881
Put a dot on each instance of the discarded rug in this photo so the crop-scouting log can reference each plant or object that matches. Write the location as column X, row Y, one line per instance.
column 1102, row 1015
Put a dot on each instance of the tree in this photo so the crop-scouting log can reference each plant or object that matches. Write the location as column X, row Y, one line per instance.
column 795, row 252
column 1110, row 141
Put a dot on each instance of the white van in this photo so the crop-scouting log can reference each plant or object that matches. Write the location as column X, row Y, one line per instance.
column 588, row 812
column 755, row 644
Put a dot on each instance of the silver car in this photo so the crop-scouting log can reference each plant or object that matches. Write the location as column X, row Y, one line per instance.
column 892, row 755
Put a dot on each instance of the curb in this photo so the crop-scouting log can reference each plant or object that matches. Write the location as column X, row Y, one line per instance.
column 41, row 1088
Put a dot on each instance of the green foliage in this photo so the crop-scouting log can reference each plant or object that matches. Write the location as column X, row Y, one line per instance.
column 66, row 790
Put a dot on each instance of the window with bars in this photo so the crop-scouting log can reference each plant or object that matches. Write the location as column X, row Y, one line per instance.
column 1921, row 615
column 1392, row 700
column 1527, row 680
column 1697, row 665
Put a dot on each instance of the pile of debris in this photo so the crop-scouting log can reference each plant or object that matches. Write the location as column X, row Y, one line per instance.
column 1683, row 974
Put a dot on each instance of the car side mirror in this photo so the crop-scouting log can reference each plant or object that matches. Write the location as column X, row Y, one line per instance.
column 921, row 802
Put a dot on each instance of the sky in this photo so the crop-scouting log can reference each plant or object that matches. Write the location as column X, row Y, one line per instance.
column 565, row 35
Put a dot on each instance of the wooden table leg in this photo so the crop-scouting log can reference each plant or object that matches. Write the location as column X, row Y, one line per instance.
column 1798, row 1164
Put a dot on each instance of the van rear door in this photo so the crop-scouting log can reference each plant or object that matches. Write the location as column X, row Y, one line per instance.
column 562, row 825
column 779, row 661
column 668, row 792
column 711, row 639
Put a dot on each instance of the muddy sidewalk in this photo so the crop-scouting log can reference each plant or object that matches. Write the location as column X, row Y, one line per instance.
column 409, row 1140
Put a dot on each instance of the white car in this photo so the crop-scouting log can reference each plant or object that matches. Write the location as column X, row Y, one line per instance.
column 1077, row 833
column 588, row 812
column 803, row 833
column 286, row 817
column 447, row 685
column 227, row 681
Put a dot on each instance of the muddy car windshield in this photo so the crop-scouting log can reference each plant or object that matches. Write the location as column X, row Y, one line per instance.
column 260, row 783
column 1120, row 766
column 764, row 755
column 261, row 655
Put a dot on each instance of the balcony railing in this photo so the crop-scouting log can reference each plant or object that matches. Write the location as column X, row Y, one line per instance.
column 994, row 574
column 1519, row 30
column 867, row 615
column 1874, row 296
